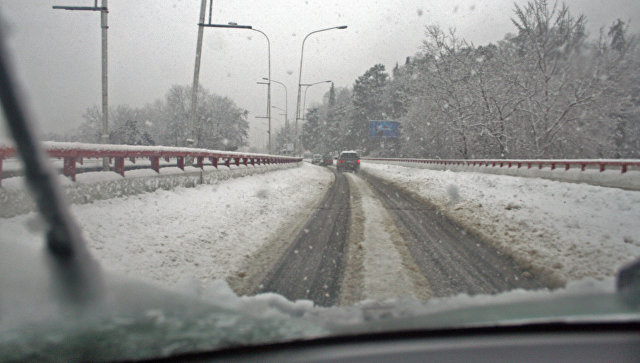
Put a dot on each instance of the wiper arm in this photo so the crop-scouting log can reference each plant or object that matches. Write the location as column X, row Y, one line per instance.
column 628, row 283
column 629, row 276
column 71, row 262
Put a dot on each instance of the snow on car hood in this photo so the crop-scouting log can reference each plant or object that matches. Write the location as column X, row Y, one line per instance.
column 134, row 320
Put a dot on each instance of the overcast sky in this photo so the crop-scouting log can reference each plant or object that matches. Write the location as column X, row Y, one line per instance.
column 152, row 46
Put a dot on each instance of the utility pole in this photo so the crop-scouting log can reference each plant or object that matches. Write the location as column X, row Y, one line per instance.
column 196, row 69
column 104, row 25
column 196, row 72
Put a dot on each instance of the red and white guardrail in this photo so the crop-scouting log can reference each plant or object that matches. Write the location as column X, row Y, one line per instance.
column 602, row 164
column 73, row 153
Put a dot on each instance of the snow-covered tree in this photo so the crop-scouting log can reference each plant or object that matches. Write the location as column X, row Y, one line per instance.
column 369, row 103
column 220, row 124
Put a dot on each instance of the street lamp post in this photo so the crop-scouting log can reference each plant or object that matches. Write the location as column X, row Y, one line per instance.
column 269, row 82
column 286, row 108
column 268, row 111
column 104, row 11
column 249, row 27
column 300, row 77
column 196, row 73
column 284, row 113
column 304, row 99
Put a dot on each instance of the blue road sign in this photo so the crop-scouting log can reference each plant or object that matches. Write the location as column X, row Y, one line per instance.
column 387, row 129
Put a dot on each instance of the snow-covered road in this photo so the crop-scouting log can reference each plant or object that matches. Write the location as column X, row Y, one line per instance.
column 370, row 241
column 192, row 236
column 388, row 271
column 565, row 231
column 188, row 234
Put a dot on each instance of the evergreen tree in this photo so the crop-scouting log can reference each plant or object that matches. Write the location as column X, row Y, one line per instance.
column 312, row 131
column 369, row 104
column 617, row 34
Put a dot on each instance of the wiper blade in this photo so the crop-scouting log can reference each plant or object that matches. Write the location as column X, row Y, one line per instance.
column 629, row 277
column 71, row 262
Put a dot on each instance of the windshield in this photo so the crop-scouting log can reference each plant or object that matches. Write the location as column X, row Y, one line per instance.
column 489, row 156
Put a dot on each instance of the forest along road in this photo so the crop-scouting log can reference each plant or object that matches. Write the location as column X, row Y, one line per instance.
column 372, row 240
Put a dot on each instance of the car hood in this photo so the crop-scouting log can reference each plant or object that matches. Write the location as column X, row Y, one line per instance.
column 129, row 319
column 134, row 320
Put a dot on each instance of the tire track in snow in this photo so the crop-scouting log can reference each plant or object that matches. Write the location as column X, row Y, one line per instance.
column 370, row 240
column 312, row 267
column 389, row 271
column 452, row 260
column 351, row 290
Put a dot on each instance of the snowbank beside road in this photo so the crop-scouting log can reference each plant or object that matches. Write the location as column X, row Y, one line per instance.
column 563, row 231
column 611, row 177
column 92, row 186
column 188, row 234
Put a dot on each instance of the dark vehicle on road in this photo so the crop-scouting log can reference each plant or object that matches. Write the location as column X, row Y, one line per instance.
column 317, row 158
column 327, row 160
column 348, row 160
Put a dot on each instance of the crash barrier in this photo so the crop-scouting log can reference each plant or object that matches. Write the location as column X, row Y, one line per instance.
column 16, row 200
column 602, row 164
column 75, row 153
column 616, row 173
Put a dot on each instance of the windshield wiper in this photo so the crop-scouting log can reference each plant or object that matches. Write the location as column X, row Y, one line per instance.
column 70, row 261
column 628, row 281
